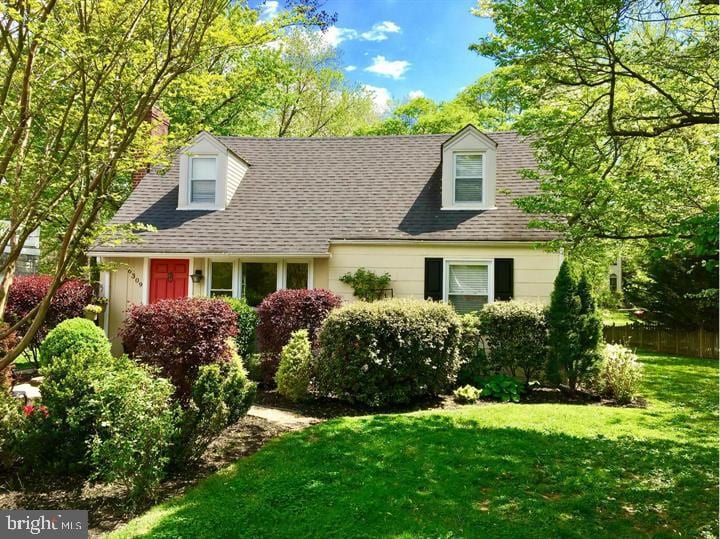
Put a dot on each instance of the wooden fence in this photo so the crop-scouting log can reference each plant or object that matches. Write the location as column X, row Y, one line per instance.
column 695, row 343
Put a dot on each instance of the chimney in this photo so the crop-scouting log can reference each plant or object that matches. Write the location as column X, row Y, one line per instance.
column 160, row 126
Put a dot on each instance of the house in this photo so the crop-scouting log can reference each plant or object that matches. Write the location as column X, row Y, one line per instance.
column 27, row 262
column 246, row 216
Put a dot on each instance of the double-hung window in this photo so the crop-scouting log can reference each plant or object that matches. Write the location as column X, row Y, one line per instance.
column 468, row 178
column 221, row 279
column 468, row 284
column 203, row 180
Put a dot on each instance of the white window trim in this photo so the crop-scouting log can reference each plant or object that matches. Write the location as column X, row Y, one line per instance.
column 208, row 274
column 311, row 271
column 447, row 262
column 475, row 204
column 202, row 205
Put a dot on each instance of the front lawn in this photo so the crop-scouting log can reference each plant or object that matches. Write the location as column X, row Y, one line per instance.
column 500, row 470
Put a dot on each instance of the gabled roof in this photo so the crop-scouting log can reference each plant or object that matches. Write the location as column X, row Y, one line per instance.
column 299, row 194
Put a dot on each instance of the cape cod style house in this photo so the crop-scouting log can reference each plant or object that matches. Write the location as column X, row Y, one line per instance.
column 246, row 216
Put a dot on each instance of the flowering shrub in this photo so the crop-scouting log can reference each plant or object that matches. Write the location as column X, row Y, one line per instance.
column 473, row 361
column 619, row 373
column 286, row 311
column 179, row 336
column 516, row 334
column 73, row 336
column 27, row 291
column 293, row 375
column 367, row 285
column 390, row 351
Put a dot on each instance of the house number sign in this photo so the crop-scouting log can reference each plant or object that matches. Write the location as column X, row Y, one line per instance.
column 134, row 277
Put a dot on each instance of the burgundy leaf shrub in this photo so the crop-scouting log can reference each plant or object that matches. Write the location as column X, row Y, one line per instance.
column 27, row 291
column 179, row 336
column 286, row 311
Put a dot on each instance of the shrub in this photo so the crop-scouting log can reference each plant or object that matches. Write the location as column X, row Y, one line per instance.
column 179, row 336
column 387, row 352
column 516, row 336
column 27, row 291
column 293, row 375
column 221, row 394
column 134, row 425
column 286, row 311
column 367, row 285
column 619, row 373
column 466, row 394
column 247, row 321
column 11, row 426
column 575, row 330
column 262, row 367
column 72, row 337
column 473, row 361
column 502, row 387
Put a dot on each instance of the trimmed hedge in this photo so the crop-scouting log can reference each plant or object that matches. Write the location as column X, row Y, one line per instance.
column 246, row 320
column 389, row 352
column 293, row 375
column 516, row 334
column 72, row 337
column 179, row 336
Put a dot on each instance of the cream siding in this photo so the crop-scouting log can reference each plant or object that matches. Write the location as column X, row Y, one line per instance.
column 320, row 273
column 535, row 270
column 236, row 169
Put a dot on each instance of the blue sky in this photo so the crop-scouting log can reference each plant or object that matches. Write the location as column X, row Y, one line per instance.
column 404, row 48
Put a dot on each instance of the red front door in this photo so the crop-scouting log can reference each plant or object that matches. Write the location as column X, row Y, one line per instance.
column 168, row 279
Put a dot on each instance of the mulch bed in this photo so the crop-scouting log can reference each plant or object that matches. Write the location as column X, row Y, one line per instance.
column 106, row 504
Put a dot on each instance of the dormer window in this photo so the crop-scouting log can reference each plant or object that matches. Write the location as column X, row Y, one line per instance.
column 203, row 180
column 210, row 173
column 468, row 178
column 468, row 171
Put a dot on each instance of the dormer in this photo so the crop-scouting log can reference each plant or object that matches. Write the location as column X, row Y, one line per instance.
column 468, row 171
column 209, row 174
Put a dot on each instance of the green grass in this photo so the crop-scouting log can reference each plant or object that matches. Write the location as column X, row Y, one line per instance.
column 504, row 470
column 619, row 318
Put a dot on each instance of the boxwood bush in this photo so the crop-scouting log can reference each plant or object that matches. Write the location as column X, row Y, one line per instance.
column 246, row 320
column 516, row 335
column 293, row 375
column 72, row 337
column 388, row 352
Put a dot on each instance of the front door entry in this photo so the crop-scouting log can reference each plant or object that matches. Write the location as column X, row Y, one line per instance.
column 168, row 279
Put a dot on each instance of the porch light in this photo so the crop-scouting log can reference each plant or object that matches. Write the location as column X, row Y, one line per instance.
column 197, row 276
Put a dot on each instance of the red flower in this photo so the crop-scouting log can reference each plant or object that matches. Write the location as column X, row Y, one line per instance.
column 30, row 409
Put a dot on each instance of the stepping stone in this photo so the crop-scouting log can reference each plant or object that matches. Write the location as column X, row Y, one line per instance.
column 26, row 391
column 282, row 417
column 36, row 381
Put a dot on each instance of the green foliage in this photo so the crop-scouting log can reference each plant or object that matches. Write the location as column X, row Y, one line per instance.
column 247, row 321
column 466, row 394
column 426, row 464
column 618, row 125
column 502, row 387
column 619, row 374
column 134, row 424
column 11, row 426
column 293, row 375
column 388, row 352
column 516, row 334
column 367, row 285
column 72, row 337
column 473, row 360
column 221, row 394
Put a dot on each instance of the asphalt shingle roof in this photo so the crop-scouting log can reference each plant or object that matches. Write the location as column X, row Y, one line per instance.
column 299, row 194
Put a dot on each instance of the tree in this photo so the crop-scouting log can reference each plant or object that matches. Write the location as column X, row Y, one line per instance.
column 620, row 98
column 312, row 96
column 79, row 79
column 575, row 329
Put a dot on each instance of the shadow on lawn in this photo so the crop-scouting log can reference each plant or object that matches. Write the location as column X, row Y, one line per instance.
column 435, row 476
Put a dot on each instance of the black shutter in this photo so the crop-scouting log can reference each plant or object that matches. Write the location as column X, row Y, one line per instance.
column 434, row 279
column 504, row 279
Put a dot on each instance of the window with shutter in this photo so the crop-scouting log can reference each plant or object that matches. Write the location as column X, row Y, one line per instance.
column 468, row 177
column 468, row 285
column 203, row 180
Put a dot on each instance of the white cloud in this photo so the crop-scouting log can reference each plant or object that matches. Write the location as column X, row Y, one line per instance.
column 334, row 35
column 269, row 9
column 388, row 68
column 350, row 68
column 380, row 30
column 381, row 97
column 414, row 94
